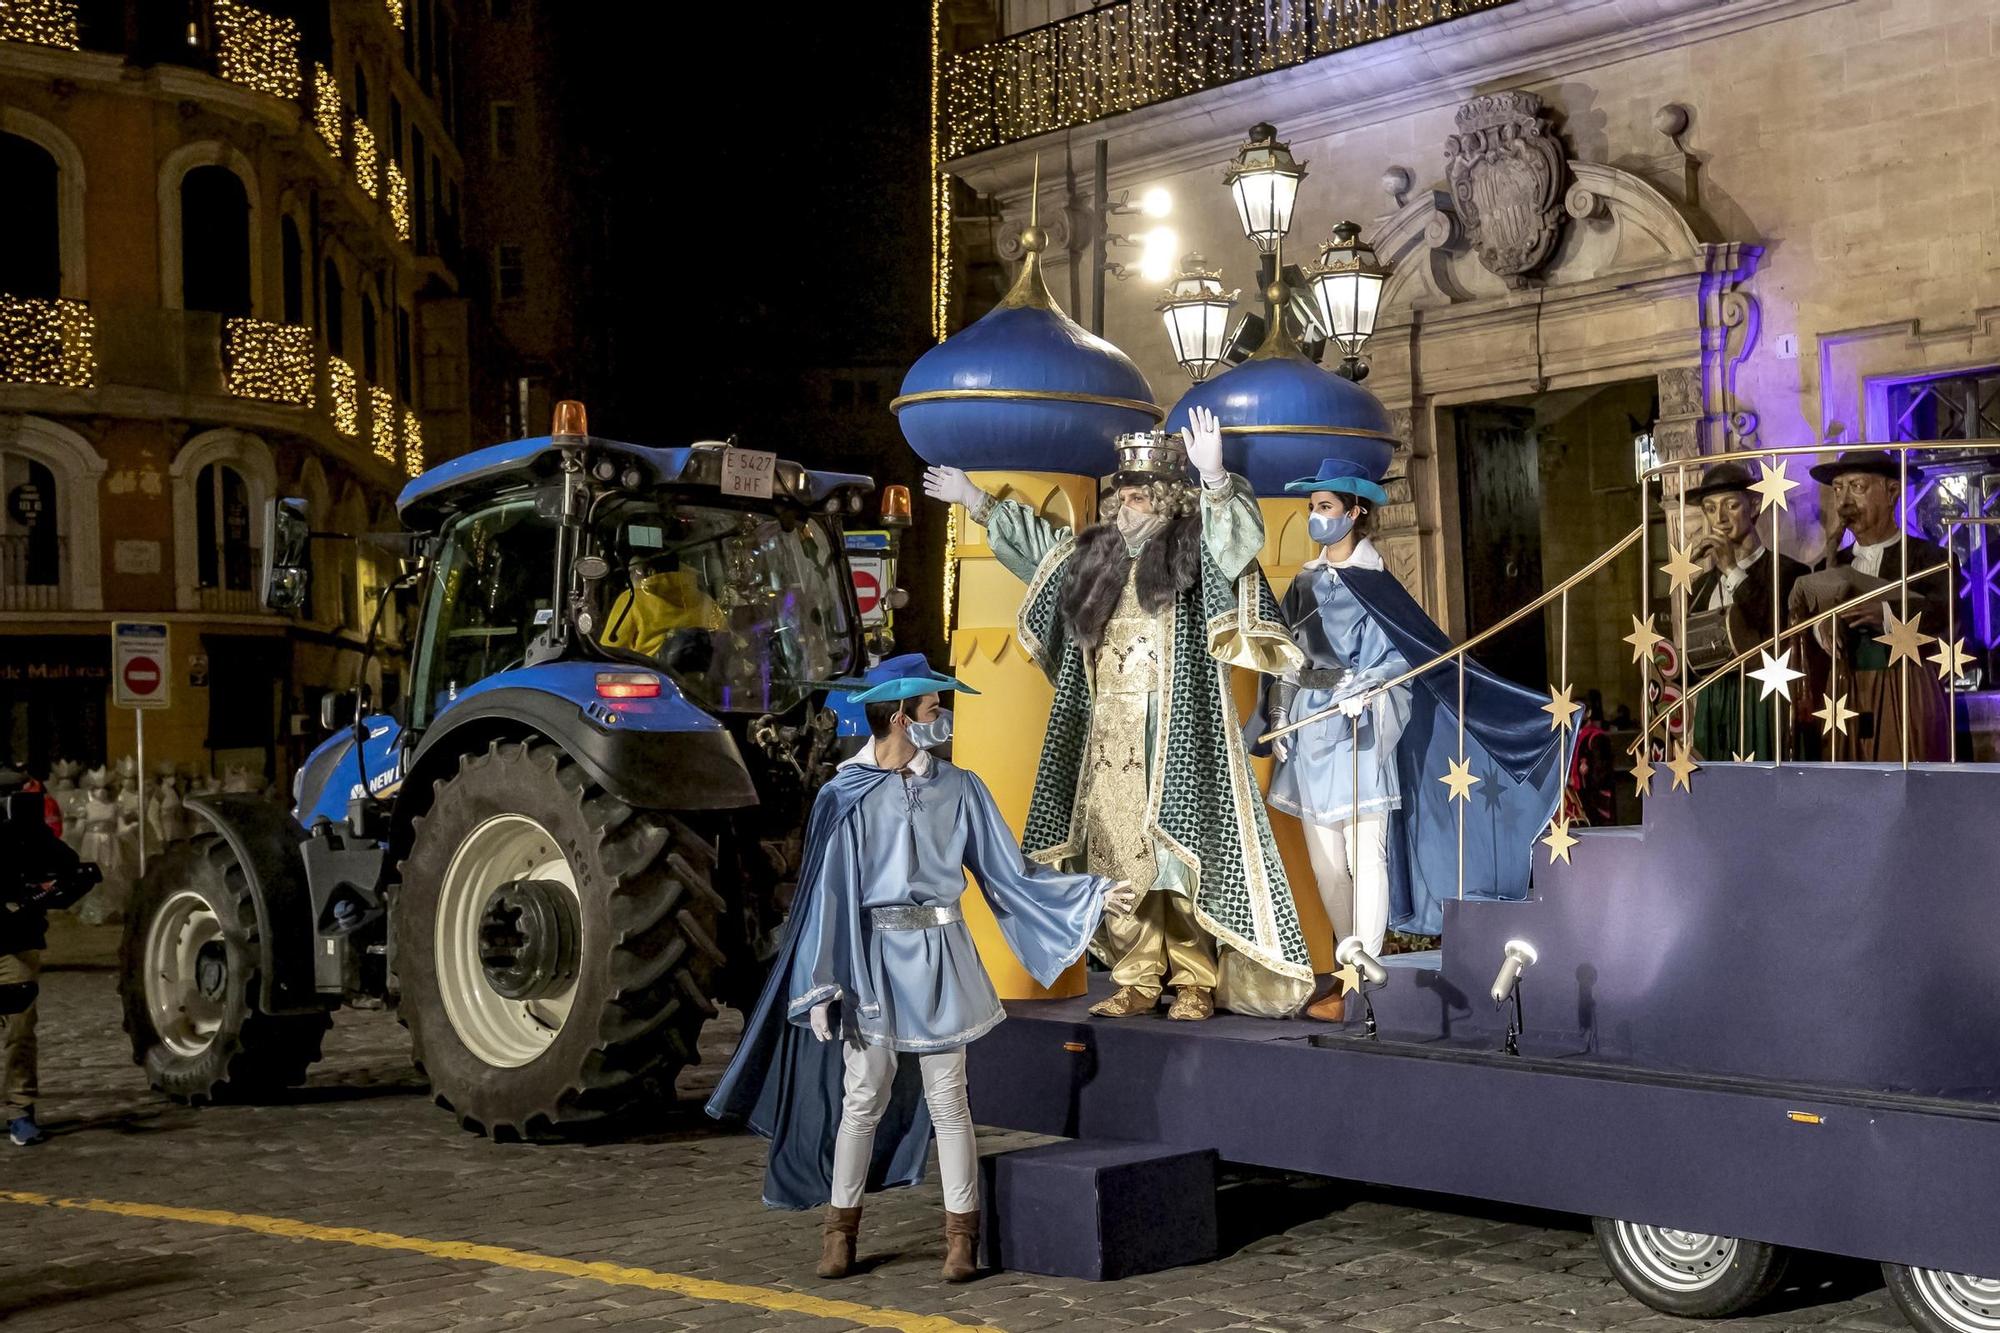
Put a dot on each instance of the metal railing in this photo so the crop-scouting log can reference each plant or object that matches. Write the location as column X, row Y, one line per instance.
column 31, row 572
column 1133, row 53
column 234, row 589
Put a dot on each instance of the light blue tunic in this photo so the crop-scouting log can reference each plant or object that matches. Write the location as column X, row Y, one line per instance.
column 1317, row 780
column 909, row 843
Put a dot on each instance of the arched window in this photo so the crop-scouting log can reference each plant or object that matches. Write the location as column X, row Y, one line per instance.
column 294, row 257
column 31, row 223
column 215, row 241
column 30, row 536
column 224, row 558
column 370, row 336
column 335, row 296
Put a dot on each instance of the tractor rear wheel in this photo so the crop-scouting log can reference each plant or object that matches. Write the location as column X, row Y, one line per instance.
column 188, row 979
column 555, row 947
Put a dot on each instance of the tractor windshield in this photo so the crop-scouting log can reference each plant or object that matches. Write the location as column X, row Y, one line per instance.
column 746, row 610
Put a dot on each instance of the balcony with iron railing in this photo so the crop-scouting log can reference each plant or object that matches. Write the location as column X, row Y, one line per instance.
column 227, row 580
column 31, row 572
column 1133, row 53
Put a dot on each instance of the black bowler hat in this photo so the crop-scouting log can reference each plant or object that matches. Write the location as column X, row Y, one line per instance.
column 1719, row 478
column 1864, row 460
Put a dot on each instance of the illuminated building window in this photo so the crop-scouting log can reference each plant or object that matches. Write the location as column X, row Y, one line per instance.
column 506, row 131
column 345, row 391
column 271, row 362
column 399, row 202
column 46, row 342
column 42, row 22
column 413, row 444
column 327, row 115
column 365, row 168
column 31, row 542
column 510, row 273
column 215, row 241
column 257, row 50
column 382, row 424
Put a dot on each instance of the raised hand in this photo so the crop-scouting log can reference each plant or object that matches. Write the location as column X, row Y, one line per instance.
column 951, row 486
column 1203, row 436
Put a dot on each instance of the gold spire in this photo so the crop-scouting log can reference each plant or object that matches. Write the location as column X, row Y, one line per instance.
column 1031, row 289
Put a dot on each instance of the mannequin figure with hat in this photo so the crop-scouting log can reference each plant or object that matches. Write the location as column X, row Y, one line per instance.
column 1866, row 492
column 1138, row 620
column 1735, row 584
column 877, row 964
column 1361, row 773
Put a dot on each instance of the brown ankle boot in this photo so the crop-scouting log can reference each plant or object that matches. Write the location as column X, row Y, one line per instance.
column 836, row 1241
column 961, row 1246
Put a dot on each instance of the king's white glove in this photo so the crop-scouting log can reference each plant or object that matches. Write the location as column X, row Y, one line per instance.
column 822, row 1020
column 1203, row 436
column 952, row 486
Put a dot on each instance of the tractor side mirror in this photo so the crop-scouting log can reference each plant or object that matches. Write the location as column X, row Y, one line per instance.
column 330, row 707
column 287, row 537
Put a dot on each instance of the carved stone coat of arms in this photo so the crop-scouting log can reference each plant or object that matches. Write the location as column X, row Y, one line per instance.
column 1507, row 172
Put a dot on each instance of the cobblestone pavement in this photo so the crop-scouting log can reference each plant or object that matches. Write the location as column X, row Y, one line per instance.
column 363, row 1147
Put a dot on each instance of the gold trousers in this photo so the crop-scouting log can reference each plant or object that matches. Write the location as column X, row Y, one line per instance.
column 1160, row 942
column 17, row 1039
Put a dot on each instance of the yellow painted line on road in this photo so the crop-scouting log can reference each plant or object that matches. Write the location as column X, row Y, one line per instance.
column 498, row 1256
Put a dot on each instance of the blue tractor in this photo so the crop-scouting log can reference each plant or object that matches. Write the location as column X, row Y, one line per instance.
column 578, row 833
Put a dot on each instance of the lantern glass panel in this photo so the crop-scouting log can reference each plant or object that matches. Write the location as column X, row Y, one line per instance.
column 1264, row 201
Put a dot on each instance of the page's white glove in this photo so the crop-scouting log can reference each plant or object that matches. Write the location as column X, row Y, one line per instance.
column 1121, row 899
column 1281, row 748
column 1354, row 705
column 1203, row 437
column 822, row 1020
column 952, row 486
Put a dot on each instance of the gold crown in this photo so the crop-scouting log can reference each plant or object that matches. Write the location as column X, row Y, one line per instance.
column 1153, row 453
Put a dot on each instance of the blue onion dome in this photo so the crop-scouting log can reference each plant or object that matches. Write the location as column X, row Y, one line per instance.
column 1024, row 389
column 1282, row 416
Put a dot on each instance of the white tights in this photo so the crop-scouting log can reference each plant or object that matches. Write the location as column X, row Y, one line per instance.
column 871, row 1074
column 1351, row 864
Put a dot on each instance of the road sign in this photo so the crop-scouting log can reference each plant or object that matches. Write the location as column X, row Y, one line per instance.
column 139, row 677
column 869, row 573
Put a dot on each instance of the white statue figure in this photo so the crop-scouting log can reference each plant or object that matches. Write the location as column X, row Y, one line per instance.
column 239, row 778
column 165, row 814
column 130, row 813
column 69, row 798
column 101, row 843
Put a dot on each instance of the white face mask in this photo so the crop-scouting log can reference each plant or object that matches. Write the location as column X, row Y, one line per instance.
column 926, row 735
column 1137, row 527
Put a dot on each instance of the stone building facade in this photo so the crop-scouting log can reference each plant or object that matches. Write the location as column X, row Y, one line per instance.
column 231, row 273
column 1765, row 223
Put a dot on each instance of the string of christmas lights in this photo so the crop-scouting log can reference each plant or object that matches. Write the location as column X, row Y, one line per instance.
column 343, row 388
column 257, row 50
column 395, row 8
column 47, row 342
column 328, row 115
column 364, row 159
column 271, row 362
column 1121, row 56
column 42, row 22
column 399, row 202
column 382, row 424
column 413, row 443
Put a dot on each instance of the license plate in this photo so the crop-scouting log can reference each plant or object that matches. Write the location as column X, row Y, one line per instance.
column 748, row 472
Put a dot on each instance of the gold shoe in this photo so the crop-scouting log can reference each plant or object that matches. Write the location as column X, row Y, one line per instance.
column 1125, row 1002
column 1192, row 1004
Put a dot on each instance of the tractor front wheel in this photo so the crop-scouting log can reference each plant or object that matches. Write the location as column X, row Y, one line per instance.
column 555, row 947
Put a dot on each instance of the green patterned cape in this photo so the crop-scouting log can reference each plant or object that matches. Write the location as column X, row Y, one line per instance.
column 1205, row 806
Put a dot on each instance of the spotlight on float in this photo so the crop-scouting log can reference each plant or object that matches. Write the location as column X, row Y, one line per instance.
column 1520, row 956
column 1351, row 952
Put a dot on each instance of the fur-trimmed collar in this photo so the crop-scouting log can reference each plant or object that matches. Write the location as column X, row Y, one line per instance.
column 1168, row 565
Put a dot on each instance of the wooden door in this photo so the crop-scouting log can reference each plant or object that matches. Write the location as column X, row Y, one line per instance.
column 1500, row 502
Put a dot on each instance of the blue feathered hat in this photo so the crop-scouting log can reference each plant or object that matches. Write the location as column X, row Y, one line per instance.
column 1345, row 476
column 906, row 677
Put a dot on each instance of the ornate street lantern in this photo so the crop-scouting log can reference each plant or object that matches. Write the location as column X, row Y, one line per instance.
column 1196, row 312
column 1347, row 284
column 1264, row 179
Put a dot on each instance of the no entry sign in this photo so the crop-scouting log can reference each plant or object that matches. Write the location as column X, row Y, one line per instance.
column 868, row 573
column 139, row 676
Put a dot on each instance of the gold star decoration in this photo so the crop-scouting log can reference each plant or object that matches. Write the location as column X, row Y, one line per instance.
column 1683, row 767
column 1951, row 658
column 1834, row 715
column 1460, row 780
column 1349, row 979
column 1559, row 841
column 1642, row 775
column 1902, row 638
column 1776, row 675
column 1642, row 638
column 1738, row 757
column 1681, row 569
column 1562, row 710
column 1774, row 486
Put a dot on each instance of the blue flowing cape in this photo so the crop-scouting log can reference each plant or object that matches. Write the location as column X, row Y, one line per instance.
column 784, row 1082
column 1510, row 748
